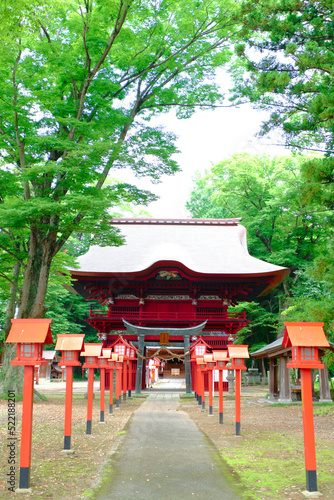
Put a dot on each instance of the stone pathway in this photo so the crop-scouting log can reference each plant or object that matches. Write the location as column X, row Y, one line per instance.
column 165, row 457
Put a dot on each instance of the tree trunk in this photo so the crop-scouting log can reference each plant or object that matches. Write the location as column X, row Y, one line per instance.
column 36, row 277
column 31, row 305
column 13, row 381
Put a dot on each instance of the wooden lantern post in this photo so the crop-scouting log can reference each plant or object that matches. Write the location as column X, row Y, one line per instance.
column 91, row 353
column 238, row 353
column 198, row 349
column 121, row 348
column 125, row 376
column 131, row 356
column 111, row 368
column 221, row 361
column 69, row 345
column 210, row 366
column 30, row 335
column 103, row 363
column 202, row 368
column 304, row 340
column 119, row 363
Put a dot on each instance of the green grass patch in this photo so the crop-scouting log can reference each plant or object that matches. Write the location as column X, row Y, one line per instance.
column 324, row 409
column 272, row 464
column 186, row 397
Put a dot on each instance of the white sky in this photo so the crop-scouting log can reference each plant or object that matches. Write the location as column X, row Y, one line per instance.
column 204, row 139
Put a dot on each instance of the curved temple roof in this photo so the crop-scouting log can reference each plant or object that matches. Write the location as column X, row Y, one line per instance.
column 205, row 247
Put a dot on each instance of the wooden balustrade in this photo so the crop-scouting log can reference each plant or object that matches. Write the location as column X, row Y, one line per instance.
column 198, row 313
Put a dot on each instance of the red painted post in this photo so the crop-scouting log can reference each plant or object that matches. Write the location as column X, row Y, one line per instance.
column 90, row 400
column 102, row 387
column 308, row 425
column 238, row 353
column 125, row 385
column 305, row 338
column 199, row 385
column 221, row 403
column 68, row 408
column 203, row 389
column 118, row 387
column 26, row 431
column 29, row 335
column 111, row 390
column 210, row 391
column 130, row 378
column 237, row 401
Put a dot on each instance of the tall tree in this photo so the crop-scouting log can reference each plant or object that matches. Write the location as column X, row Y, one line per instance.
column 283, row 227
column 79, row 82
column 287, row 67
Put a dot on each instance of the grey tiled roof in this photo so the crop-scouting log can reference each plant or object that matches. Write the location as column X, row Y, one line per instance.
column 206, row 249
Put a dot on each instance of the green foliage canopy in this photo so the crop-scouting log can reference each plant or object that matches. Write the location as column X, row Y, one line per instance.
column 79, row 82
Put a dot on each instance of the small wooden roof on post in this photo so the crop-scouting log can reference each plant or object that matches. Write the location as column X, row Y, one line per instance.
column 29, row 331
column 305, row 340
column 304, row 334
column 30, row 335
column 238, row 351
column 199, row 343
column 70, row 341
column 92, row 349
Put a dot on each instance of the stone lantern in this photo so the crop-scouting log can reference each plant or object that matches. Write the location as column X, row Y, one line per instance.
column 305, row 339
column 238, row 354
column 91, row 352
column 30, row 335
column 70, row 345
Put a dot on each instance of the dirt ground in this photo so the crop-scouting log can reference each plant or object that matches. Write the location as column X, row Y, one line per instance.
column 270, row 450
column 268, row 453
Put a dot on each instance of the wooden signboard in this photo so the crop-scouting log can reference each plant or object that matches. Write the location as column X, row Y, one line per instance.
column 164, row 338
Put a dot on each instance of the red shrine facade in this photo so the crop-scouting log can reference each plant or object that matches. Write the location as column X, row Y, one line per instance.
column 173, row 274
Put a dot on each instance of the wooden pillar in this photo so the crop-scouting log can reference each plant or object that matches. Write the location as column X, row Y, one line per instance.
column 187, row 369
column 130, row 378
column 68, row 408
column 125, row 385
column 203, row 389
column 103, row 385
column 273, row 382
column 141, row 345
column 210, row 375
column 325, row 395
column 90, row 400
column 284, row 377
column 26, row 431
column 237, row 402
column 308, row 426
column 221, row 402
column 118, row 387
column 199, row 384
column 111, row 390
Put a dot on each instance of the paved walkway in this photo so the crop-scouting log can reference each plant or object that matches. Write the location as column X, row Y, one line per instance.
column 165, row 457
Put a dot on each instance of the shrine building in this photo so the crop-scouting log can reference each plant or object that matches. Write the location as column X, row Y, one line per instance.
column 171, row 281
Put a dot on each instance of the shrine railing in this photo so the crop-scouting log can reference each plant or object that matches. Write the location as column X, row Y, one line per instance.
column 200, row 313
